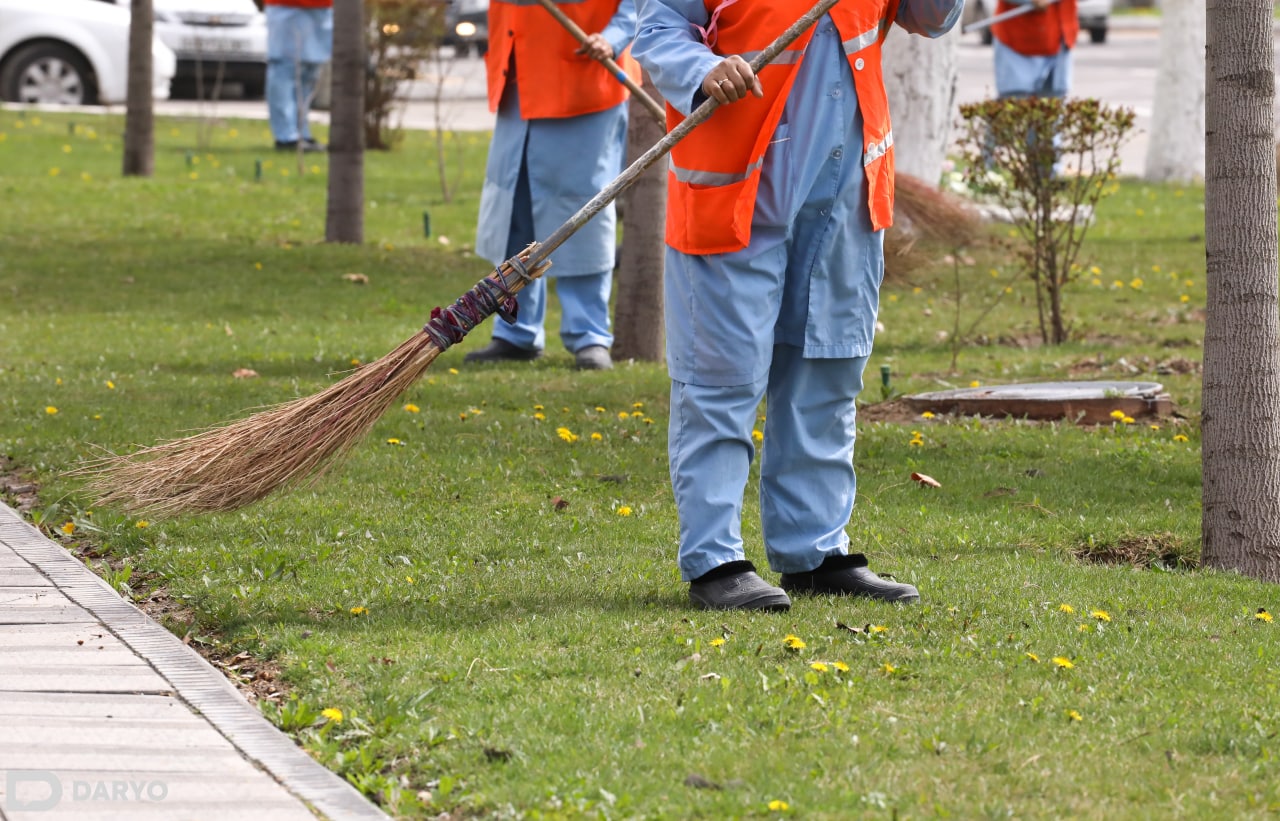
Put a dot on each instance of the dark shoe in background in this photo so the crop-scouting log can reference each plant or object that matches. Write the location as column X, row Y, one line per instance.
column 735, row 586
column 849, row 576
column 499, row 350
column 308, row 146
column 593, row 358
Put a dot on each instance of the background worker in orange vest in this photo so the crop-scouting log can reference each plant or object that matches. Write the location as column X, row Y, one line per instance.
column 560, row 138
column 775, row 255
column 1033, row 50
column 299, row 43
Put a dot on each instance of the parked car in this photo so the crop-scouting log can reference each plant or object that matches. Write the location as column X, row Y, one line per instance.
column 466, row 26
column 71, row 52
column 1094, row 16
column 219, row 43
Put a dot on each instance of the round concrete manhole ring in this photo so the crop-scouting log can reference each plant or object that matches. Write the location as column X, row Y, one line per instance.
column 1084, row 402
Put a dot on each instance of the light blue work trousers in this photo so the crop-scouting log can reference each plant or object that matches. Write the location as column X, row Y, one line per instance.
column 299, row 43
column 807, row 482
column 584, row 299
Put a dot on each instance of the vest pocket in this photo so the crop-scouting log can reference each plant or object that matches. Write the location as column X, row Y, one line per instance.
column 708, row 219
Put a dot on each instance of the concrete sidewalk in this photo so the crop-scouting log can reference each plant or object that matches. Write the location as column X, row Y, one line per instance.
column 104, row 714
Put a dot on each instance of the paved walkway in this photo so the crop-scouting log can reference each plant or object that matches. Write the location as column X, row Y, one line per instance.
column 104, row 714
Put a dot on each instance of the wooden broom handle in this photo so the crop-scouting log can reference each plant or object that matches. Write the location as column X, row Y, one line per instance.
column 531, row 258
column 616, row 70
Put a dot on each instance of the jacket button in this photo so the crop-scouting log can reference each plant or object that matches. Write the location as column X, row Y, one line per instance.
column 858, row 64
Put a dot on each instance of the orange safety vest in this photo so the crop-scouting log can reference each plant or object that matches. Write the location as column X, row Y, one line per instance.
column 1039, row 33
column 551, row 79
column 715, row 170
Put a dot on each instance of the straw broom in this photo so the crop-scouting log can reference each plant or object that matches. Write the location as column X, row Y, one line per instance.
column 293, row 444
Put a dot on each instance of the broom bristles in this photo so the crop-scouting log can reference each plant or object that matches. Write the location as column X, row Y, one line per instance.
column 287, row 445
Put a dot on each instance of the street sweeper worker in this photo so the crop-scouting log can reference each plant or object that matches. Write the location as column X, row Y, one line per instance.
column 560, row 137
column 1032, row 51
column 775, row 252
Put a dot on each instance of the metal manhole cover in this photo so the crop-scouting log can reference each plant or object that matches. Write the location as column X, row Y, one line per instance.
column 1089, row 402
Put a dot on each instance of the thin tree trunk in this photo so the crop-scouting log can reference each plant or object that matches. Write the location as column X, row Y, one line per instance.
column 1240, row 419
column 1176, row 150
column 920, row 75
column 344, row 216
column 139, row 122
column 638, row 323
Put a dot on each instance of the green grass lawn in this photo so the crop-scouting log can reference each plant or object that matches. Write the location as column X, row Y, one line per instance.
column 486, row 589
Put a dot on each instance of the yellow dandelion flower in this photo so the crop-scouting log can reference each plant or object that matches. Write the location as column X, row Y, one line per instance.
column 841, row 667
column 819, row 666
column 1100, row 615
column 1073, row 715
column 636, row 414
column 55, row 171
column 355, row 362
column 647, row 421
column 623, row 415
column 879, row 628
column 50, row 409
column 1066, row 608
column 888, row 668
column 975, row 384
column 1117, row 414
column 624, row 511
column 394, row 441
column 1190, row 283
column 333, row 714
column 1184, row 298
column 717, row 642
column 566, row 434
column 597, row 437
column 757, row 436
column 359, row 611
column 541, row 417
column 141, row 523
column 538, row 408
column 1262, row 615
column 1155, row 268
column 599, row 409
column 1154, row 427
column 257, row 265
column 778, row 806
column 193, row 175
column 68, row 528
column 637, row 405
column 1136, row 283
column 1063, row 662
column 1082, row 628
column 1033, row 657
column 1128, row 420
column 893, row 297
column 463, row 416
column 111, row 385
column 1117, row 283
column 453, row 371
column 927, row 414
column 411, row 408
column 1097, row 283
column 793, row 642
column 1095, row 270
column 409, row 579
column 1178, row 437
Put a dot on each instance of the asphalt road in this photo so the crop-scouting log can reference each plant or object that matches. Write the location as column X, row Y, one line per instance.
column 1121, row 72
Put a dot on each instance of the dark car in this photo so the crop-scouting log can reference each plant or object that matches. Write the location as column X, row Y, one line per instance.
column 466, row 26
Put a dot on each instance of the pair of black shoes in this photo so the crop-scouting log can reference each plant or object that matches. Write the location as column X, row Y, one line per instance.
column 590, row 358
column 736, row 586
column 309, row 146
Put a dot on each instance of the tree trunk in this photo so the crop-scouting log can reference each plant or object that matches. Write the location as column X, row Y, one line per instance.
column 920, row 75
column 638, row 324
column 1240, row 419
column 139, row 118
column 1176, row 150
column 344, row 216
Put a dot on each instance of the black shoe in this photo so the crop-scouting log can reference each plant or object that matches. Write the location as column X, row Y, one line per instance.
column 849, row 576
column 309, row 146
column 593, row 358
column 735, row 586
column 499, row 350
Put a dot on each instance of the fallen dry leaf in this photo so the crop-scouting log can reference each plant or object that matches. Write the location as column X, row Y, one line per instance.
column 927, row 481
column 244, row 373
column 358, row 279
column 559, row 503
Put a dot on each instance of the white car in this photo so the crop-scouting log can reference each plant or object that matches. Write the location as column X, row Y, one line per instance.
column 71, row 52
column 218, row 43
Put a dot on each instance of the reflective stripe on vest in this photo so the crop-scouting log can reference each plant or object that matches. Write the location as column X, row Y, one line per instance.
column 552, row 80
column 715, row 171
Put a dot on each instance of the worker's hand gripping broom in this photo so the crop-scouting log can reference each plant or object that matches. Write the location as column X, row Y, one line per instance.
column 290, row 444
